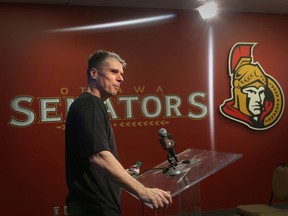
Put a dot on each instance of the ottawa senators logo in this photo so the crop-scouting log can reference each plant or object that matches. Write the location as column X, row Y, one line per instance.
column 256, row 98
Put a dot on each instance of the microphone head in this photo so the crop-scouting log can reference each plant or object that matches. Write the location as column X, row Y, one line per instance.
column 162, row 132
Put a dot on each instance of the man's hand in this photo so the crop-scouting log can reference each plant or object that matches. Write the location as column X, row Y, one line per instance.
column 156, row 197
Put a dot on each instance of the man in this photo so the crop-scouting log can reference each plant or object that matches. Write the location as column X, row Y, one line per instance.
column 94, row 175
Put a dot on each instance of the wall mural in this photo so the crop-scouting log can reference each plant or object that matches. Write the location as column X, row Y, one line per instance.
column 257, row 99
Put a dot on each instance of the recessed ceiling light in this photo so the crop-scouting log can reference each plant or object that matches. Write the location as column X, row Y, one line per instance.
column 207, row 10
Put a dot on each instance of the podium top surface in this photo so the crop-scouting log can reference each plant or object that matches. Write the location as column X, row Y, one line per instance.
column 194, row 165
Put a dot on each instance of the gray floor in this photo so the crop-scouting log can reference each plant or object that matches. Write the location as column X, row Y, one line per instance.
column 227, row 212
column 233, row 212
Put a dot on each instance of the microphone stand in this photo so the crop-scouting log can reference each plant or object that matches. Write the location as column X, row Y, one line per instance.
column 172, row 164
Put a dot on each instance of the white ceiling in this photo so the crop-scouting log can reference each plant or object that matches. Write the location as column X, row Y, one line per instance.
column 253, row 6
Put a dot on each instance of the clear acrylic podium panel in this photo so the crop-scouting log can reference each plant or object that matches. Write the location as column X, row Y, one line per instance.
column 194, row 166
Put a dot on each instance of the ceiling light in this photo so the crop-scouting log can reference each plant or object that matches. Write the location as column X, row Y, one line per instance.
column 208, row 10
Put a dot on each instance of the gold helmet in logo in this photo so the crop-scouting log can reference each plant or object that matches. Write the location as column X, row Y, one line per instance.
column 246, row 75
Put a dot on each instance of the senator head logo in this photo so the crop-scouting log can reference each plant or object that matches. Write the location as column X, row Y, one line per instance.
column 256, row 98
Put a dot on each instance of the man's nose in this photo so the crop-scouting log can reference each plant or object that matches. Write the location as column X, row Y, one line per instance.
column 120, row 78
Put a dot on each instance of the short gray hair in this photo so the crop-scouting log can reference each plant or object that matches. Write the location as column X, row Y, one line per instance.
column 98, row 57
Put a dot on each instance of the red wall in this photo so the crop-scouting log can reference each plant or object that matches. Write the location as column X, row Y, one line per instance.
column 164, row 58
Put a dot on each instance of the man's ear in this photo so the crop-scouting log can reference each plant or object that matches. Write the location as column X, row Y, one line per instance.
column 93, row 73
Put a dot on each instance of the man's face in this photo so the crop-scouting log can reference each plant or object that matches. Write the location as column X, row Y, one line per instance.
column 110, row 77
column 255, row 99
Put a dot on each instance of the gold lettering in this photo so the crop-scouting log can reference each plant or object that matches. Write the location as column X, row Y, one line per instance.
column 64, row 91
column 139, row 89
column 159, row 89
column 82, row 89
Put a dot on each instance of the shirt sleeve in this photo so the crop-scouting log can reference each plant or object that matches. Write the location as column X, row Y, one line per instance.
column 91, row 123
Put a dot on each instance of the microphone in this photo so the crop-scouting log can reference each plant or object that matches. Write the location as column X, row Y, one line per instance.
column 167, row 142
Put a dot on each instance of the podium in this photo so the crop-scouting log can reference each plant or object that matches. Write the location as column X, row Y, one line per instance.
column 193, row 166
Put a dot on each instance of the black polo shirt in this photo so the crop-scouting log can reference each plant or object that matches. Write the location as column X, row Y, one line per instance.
column 88, row 131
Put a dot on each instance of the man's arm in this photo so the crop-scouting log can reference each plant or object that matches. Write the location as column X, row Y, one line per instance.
column 107, row 164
